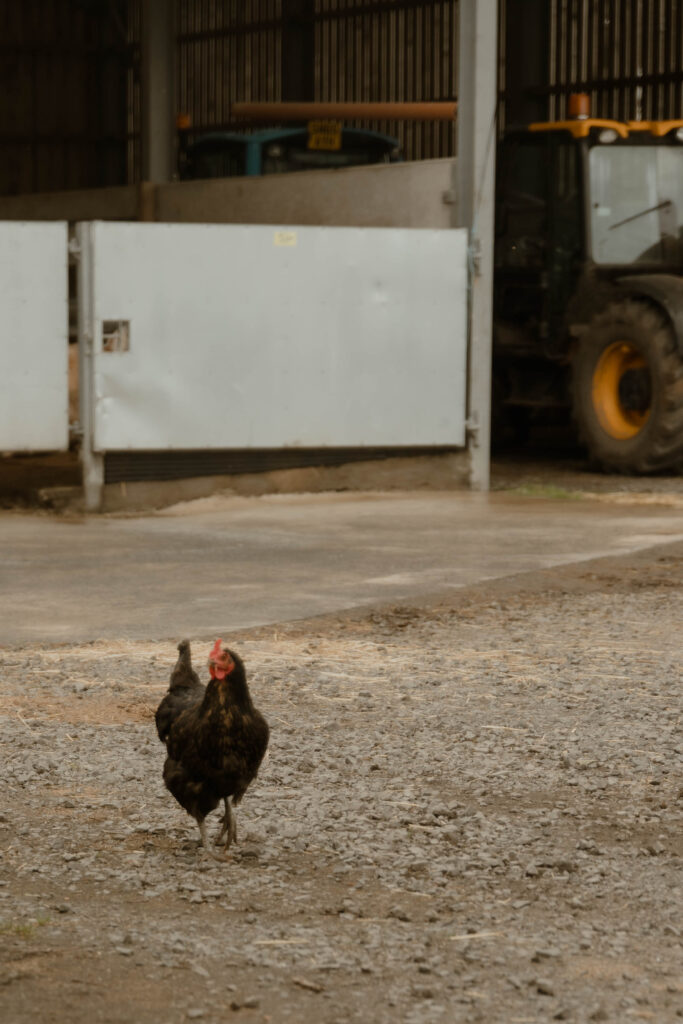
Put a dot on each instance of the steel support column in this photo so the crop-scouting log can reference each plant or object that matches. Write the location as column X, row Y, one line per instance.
column 157, row 67
column 475, row 174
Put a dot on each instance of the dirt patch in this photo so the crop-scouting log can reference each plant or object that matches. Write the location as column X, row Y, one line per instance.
column 572, row 475
column 471, row 812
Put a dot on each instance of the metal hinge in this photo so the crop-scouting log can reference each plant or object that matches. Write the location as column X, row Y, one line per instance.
column 475, row 257
column 472, row 428
column 74, row 249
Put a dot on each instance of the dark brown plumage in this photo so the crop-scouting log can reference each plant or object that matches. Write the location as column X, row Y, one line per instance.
column 184, row 690
column 214, row 736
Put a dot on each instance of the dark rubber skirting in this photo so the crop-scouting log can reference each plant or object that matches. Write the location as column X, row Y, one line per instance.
column 177, row 465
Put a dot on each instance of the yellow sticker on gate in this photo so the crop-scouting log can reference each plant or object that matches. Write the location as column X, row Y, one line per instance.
column 284, row 238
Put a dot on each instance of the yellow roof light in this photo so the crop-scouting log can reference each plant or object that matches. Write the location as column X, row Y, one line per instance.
column 579, row 106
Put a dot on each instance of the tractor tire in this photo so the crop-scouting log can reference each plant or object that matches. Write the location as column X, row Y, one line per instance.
column 627, row 382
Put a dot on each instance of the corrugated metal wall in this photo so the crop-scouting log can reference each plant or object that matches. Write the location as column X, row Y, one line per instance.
column 390, row 51
column 70, row 70
column 227, row 51
column 63, row 88
column 628, row 54
column 379, row 50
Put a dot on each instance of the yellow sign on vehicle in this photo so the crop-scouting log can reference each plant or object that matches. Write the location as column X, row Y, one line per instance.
column 324, row 135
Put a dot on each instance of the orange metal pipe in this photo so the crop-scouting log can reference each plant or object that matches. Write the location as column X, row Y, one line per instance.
column 346, row 111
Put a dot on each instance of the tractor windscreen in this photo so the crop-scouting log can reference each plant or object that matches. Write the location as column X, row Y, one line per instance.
column 636, row 204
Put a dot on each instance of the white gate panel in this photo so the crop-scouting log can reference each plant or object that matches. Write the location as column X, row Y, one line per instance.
column 224, row 336
column 34, row 372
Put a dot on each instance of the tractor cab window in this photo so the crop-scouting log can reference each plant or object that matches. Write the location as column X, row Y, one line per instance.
column 522, row 201
column 636, row 203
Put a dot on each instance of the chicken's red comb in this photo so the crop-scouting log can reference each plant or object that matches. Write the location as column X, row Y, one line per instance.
column 216, row 649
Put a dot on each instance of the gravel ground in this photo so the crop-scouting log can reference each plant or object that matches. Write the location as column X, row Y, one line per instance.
column 471, row 811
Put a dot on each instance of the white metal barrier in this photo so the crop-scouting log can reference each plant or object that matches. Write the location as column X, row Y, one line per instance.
column 224, row 336
column 34, row 385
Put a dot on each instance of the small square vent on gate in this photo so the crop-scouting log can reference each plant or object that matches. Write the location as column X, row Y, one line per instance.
column 115, row 335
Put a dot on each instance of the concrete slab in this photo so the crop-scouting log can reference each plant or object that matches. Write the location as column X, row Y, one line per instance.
column 225, row 563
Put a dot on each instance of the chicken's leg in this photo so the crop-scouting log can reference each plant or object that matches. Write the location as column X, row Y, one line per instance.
column 232, row 831
column 219, row 838
column 228, row 825
column 207, row 846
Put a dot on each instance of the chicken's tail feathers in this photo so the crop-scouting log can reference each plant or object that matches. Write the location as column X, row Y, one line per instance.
column 183, row 673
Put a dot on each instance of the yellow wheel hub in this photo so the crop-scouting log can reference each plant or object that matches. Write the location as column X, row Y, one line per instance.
column 616, row 418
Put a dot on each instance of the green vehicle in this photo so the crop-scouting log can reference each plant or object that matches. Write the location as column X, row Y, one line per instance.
column 588, row 286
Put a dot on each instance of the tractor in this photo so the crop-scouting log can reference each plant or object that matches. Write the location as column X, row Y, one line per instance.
column 320, row 145
column 588, row 285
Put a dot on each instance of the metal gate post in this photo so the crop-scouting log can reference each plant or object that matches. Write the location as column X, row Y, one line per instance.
column 92, row 462
column 475, row 170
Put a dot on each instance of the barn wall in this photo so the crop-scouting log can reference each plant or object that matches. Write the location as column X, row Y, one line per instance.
column 400, row 195
column 70, row 70
column 116, row 203
column 63, row 85
column 397, row 50
column 628, row 54
column 410, row 195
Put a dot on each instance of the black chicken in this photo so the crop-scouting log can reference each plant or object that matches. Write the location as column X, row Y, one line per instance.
column 215, row 738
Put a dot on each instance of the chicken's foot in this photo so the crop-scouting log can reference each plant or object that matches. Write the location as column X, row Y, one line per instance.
column 207, row 846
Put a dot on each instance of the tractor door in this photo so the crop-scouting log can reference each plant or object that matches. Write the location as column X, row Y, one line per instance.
column 566, row 262
column 522, row 250
column 538, row 239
